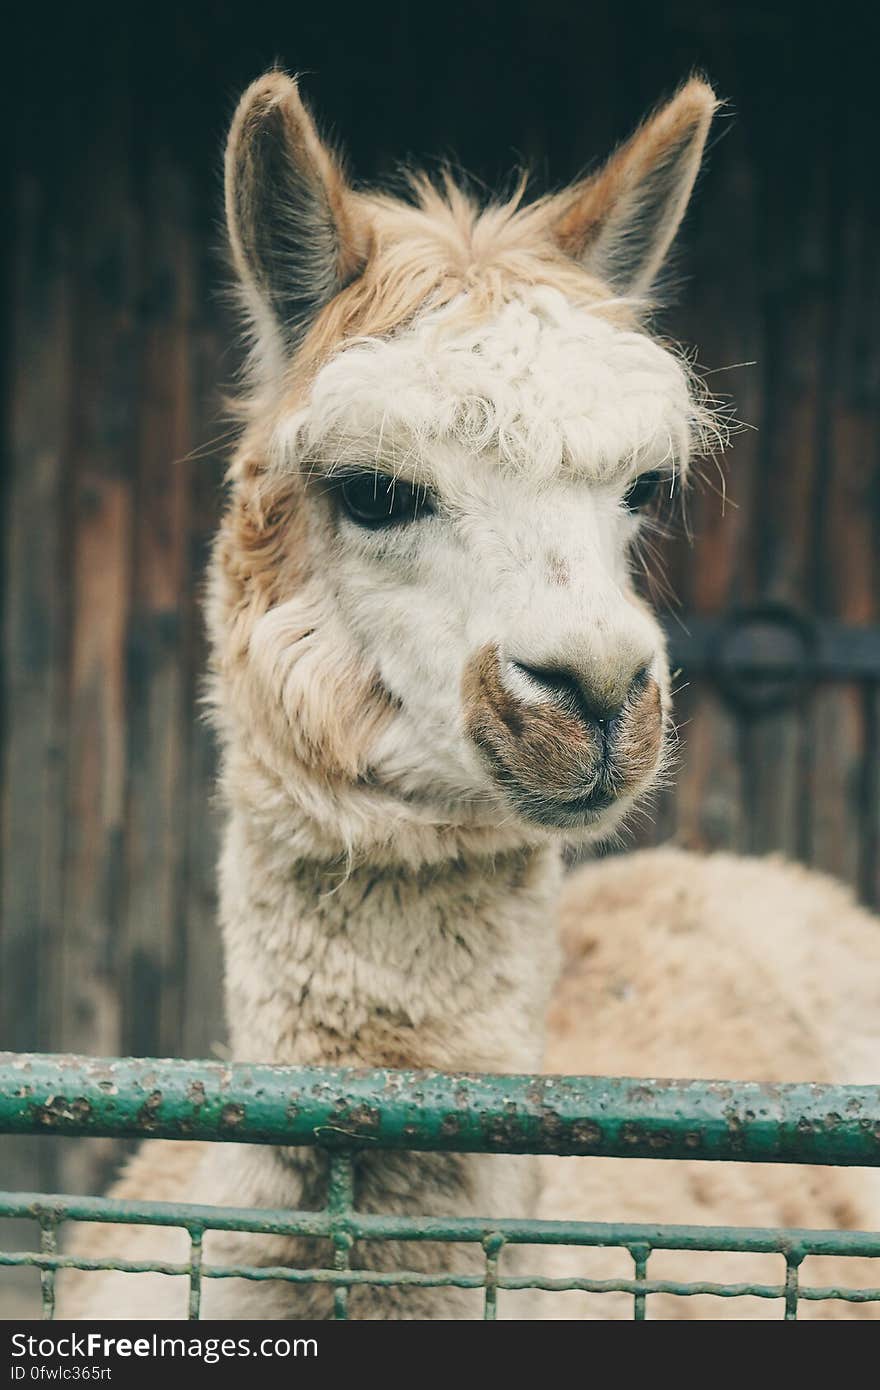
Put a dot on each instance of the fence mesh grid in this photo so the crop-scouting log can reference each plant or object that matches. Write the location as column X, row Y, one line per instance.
column 606, row 1116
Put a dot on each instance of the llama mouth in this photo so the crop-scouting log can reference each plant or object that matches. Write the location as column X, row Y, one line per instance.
column 561, row 812
column 593, row 803
column 564, row 813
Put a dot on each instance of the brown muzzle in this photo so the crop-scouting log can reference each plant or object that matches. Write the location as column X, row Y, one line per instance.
column 562, row 756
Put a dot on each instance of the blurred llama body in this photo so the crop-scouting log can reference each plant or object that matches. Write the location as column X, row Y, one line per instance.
column 430, row 667
column 715, row 966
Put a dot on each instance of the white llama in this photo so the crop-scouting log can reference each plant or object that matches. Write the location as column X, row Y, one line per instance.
column 430, row 666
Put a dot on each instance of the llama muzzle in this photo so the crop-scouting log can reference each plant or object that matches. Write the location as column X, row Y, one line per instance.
column 562, row 754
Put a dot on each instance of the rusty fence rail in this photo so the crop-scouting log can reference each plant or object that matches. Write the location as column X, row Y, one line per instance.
column 347, row 1110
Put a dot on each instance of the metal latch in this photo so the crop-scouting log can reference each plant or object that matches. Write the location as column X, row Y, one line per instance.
column 767, row 655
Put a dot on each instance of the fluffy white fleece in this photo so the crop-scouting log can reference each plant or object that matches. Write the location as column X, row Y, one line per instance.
column 548, row 387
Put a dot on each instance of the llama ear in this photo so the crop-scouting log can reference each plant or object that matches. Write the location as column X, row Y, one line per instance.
column 621, row 221
column 288, row 211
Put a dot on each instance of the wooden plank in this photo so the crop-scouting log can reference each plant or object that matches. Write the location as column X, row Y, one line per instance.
column 151, row 975
column 846, row 576
column 35, row 612
column 106, row 274
column 203, row 1023
column 797, row 309
column 36, row 393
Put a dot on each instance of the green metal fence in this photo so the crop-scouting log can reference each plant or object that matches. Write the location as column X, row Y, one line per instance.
column 345, row 1111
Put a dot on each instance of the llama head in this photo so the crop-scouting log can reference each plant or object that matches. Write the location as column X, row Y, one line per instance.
column 422, row 610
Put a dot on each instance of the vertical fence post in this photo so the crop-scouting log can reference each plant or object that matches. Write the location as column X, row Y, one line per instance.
column 640, row 1255
column 793, row 1260
column 492, row 1244
column 48, row 1246
column 340, row 1204
column 196, row 1234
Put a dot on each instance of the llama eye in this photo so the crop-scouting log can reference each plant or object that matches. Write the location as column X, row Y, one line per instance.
column 374, row 500
column 642, row 491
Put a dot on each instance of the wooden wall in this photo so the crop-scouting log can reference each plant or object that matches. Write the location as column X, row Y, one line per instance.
column 117, row 346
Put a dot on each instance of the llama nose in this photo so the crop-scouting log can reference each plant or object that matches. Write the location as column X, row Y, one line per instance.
column 575, row 694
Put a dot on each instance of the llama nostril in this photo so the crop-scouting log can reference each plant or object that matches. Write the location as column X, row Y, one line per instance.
column 564, row 689
column 559, row 685
column 573, row 693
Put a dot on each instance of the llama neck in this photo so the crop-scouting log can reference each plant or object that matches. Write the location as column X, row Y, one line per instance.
column 445, row 967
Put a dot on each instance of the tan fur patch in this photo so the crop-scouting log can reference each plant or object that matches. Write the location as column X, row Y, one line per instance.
column 263, row 541
column 263, row 560
column 558, row 572
column 424, row 255
column 641, row 736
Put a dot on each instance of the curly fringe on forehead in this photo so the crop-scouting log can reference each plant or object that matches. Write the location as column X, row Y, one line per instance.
column 541, row 386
